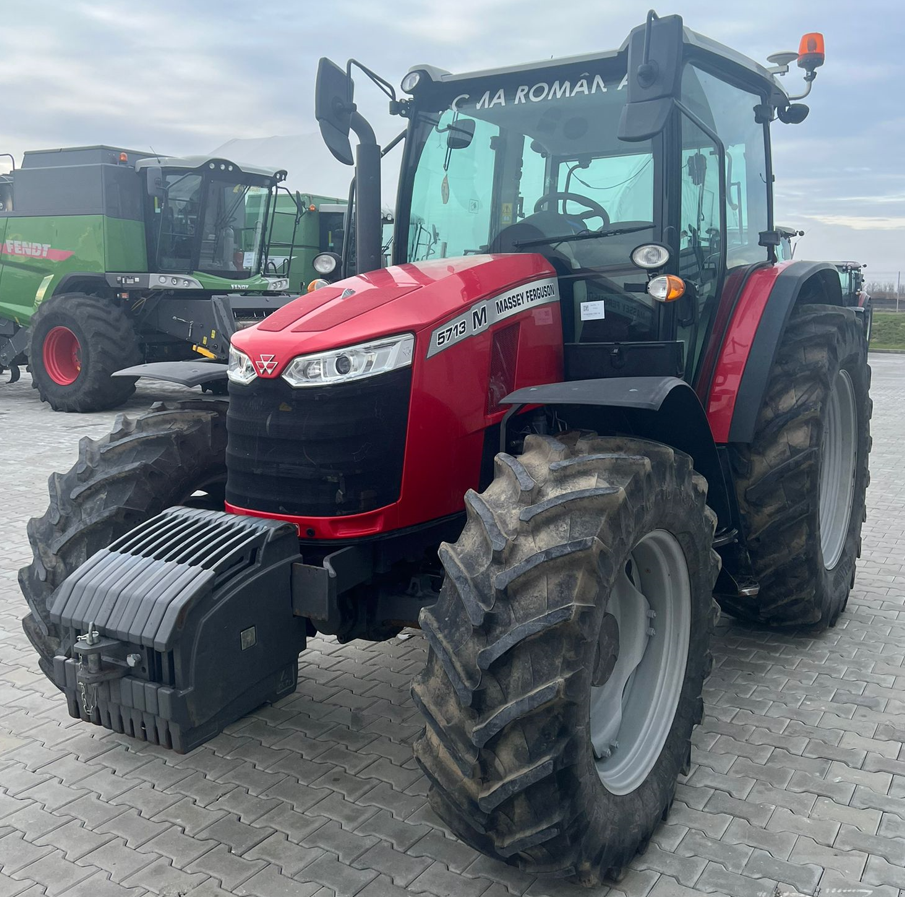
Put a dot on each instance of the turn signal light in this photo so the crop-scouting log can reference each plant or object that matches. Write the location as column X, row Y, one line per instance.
column 811, row 51
column 316, row 284
column 666, row 288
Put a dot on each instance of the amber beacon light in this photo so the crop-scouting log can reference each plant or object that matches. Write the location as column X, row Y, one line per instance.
column 811, row 51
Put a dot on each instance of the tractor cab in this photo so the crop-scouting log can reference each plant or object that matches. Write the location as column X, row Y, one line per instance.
column 851, row 278
column 562, row 159
column 208, row 216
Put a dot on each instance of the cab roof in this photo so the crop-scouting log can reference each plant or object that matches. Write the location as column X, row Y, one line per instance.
column 699, row 44
column 202, row 161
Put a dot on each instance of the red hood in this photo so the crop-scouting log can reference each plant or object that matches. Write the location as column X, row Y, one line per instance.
column 401, row 299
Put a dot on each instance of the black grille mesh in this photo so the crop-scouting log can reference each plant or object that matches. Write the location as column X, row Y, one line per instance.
column 319, row 451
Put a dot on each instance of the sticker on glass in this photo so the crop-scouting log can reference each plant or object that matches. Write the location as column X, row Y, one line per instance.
column 592, row 311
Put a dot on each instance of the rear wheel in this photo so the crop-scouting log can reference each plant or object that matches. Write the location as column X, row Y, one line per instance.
column 568, row 651
column 173, row 454
column 801, row 482
column 77, row 343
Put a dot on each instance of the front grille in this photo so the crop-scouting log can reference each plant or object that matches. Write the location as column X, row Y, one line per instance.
column 318, row 451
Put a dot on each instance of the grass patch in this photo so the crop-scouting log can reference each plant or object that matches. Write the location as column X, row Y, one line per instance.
column 888, row 330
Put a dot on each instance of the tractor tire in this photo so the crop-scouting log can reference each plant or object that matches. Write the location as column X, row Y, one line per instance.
column 145, row 465
column 539, row 603
column 814, row 424
column 77, row 342
column 868, row 320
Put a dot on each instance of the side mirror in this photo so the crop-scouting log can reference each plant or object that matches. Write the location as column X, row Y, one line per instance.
column 333, row 108
column 793, row 114
column 697, row 169
column 155, row 183
column 460, row 134
column 654, row 76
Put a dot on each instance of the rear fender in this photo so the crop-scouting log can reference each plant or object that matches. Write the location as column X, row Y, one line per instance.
column 735, row 394
column 665, row 409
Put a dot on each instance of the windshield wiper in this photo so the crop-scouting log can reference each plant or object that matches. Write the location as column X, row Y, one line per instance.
column 572, row 238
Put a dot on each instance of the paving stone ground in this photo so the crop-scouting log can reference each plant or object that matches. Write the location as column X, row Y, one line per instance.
column 798, row 775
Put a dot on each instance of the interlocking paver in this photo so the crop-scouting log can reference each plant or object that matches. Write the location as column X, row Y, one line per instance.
column 228, row 867
column 16, row 852
column 803, row 877
column 779, row 844
column 270, row 883
column 120, row 860
column 55, row 872
column 161, row 877
column 74, row 840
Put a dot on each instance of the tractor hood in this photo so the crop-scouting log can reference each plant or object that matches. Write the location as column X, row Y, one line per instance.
column 414, row 298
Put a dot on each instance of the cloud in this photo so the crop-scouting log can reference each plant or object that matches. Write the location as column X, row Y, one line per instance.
column 863, row 222
column 186, row 77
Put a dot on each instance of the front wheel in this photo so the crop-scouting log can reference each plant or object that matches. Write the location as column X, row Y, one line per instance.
column 568, row 650
column 77, row 343
column 174, row 453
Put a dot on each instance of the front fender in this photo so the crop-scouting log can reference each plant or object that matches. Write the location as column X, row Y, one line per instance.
column 665, row 409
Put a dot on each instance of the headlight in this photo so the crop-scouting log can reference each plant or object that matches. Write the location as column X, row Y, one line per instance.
column 325, row 263
column 650, row 255
column 410, row 81
column 278, row 284
column 351, row 363
column 240, row 369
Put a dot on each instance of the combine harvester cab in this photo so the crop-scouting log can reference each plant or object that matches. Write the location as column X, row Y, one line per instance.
column 573, row 412
column 111, row 258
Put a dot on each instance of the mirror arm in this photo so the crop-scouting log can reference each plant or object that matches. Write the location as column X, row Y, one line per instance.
column 394, row 143
column 382, row 83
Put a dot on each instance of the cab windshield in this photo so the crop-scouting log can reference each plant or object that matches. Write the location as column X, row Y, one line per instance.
column 530, row 162
column 210, row 222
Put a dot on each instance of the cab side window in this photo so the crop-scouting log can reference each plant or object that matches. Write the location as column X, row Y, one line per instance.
column 729, row 111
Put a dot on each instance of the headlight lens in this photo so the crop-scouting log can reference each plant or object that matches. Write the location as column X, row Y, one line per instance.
column 666, row 288
column 240, row 369
column 351, row 363
column 278, row 284
column 650, row 255
column 325, row 263
column 410, row 81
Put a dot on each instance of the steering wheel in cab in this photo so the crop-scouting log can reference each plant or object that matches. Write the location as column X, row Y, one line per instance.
column 594, row 209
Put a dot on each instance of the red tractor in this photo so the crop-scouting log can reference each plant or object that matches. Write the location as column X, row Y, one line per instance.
column 585, row 400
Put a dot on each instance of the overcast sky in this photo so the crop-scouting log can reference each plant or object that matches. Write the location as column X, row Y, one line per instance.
column 185, row 77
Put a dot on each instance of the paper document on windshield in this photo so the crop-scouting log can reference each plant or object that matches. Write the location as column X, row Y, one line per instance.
column 593, row 311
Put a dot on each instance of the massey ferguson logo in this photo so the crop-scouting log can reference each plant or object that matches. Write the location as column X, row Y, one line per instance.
column 267, row 364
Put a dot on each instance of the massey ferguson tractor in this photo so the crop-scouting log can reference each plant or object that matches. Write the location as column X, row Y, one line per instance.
column 584, row 401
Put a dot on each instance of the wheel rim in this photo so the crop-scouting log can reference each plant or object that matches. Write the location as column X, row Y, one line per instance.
column 838, row 455
column 62, row 356
column 632, row 712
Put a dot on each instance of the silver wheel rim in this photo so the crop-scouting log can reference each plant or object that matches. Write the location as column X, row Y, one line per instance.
column 632, row 712
column 838, row 454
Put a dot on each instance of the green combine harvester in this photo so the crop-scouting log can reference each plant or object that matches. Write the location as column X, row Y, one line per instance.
column 111, row 258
